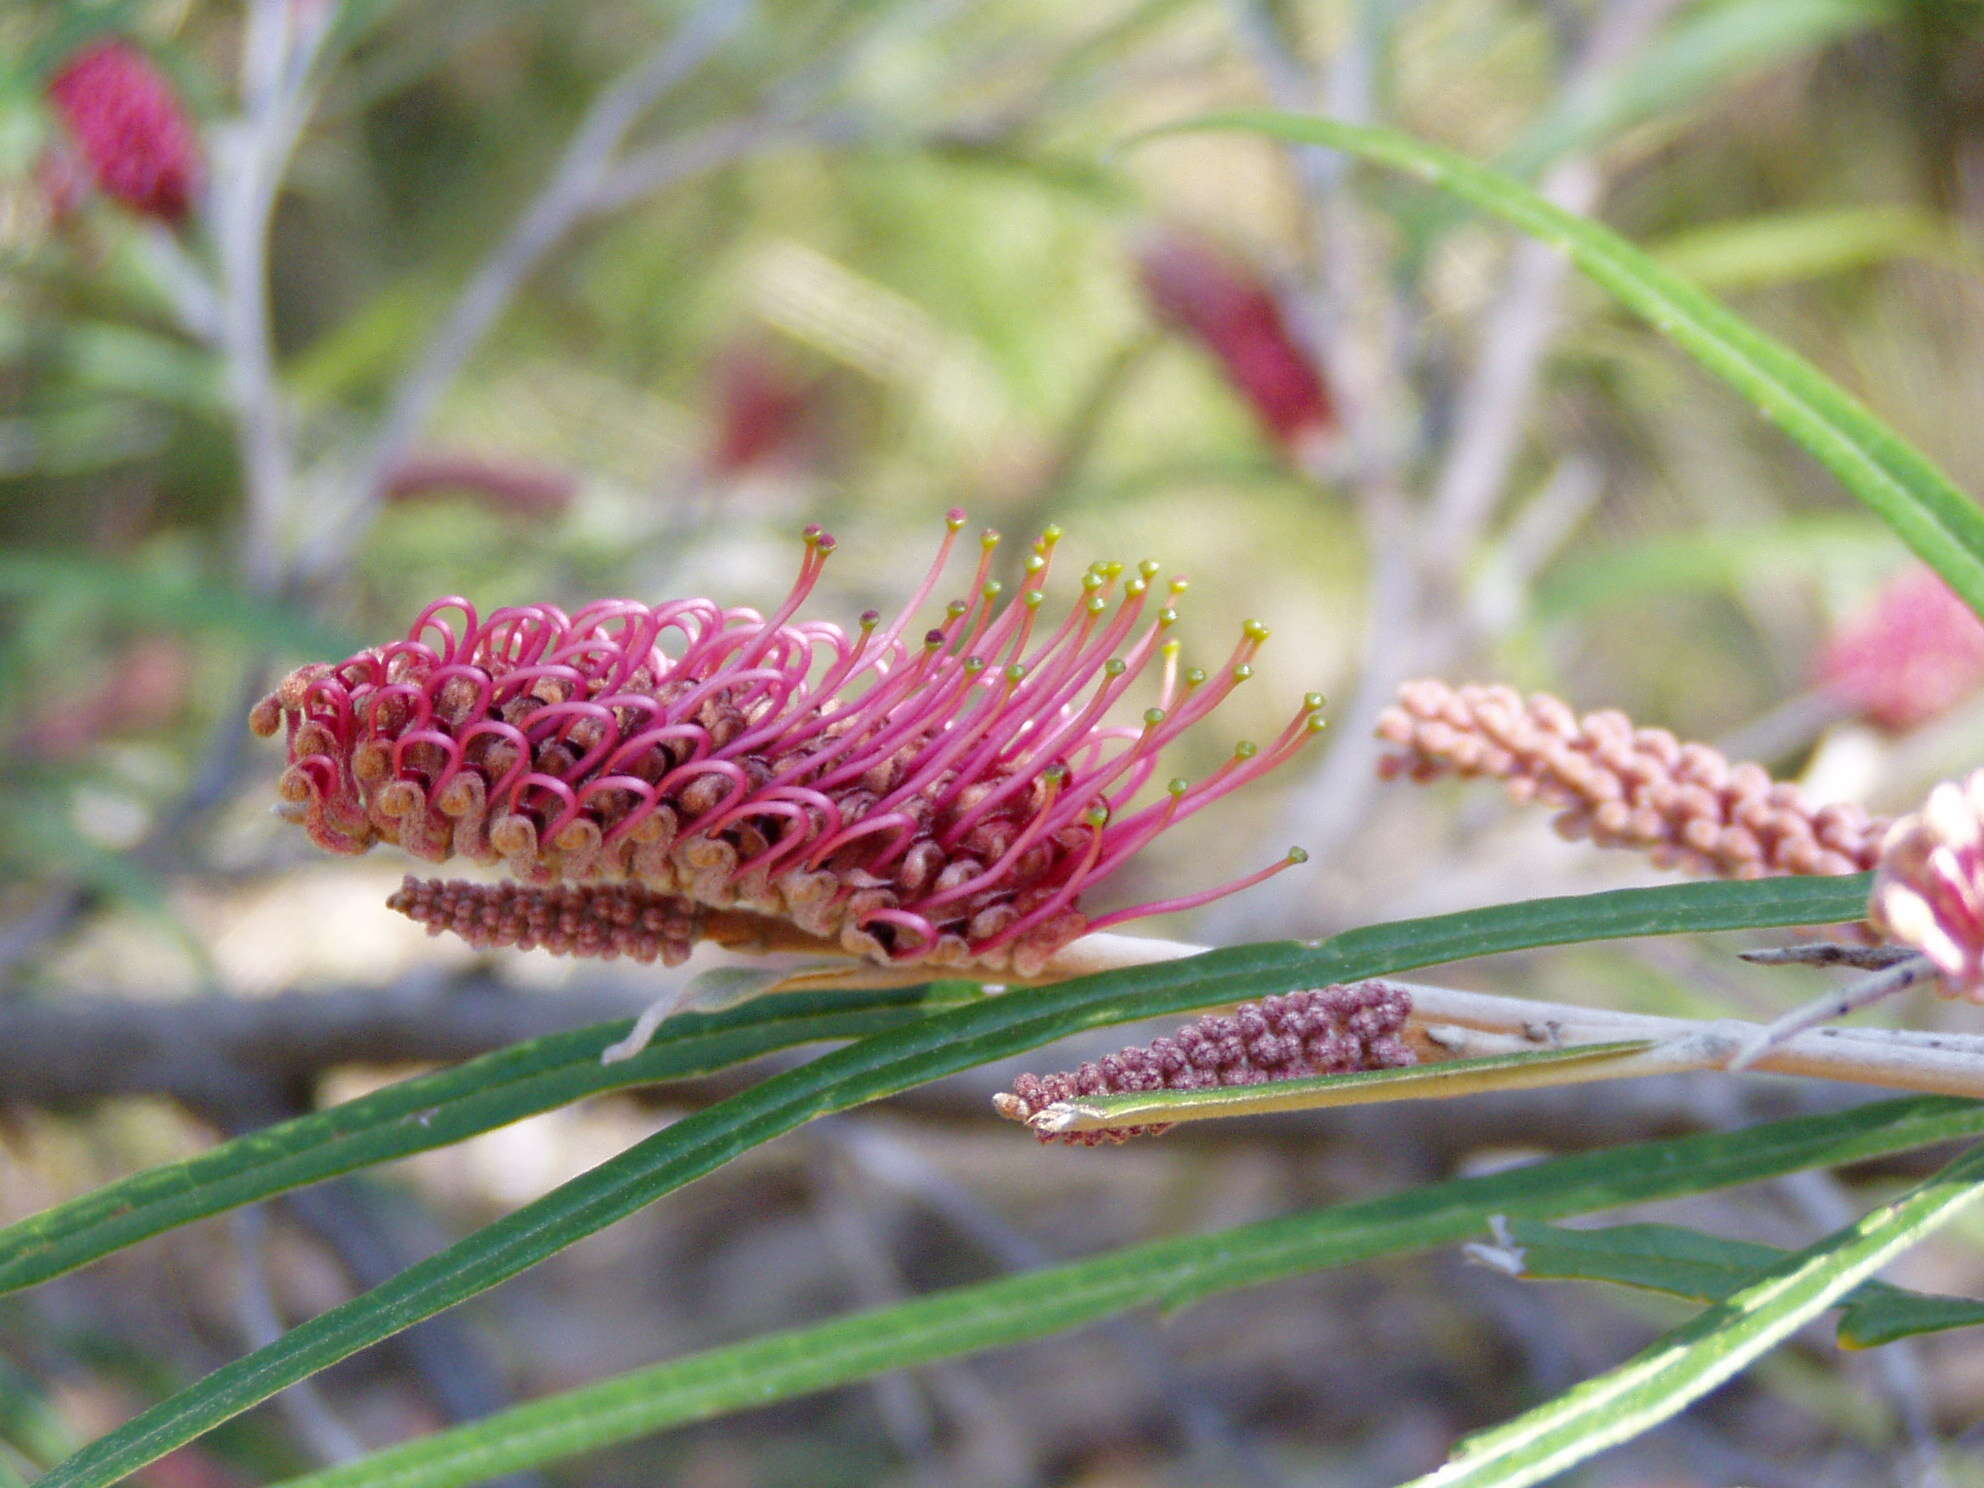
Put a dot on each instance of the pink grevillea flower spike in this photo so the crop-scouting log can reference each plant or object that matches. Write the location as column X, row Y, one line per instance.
column 136, row 138
column 1929, row 884
column 1916, row 653
column 658, row 773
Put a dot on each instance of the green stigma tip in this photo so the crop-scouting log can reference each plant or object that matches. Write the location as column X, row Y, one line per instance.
column 1035, row 562
column 1096, row 604
column 1153, row 717
column 1115, row 667
column 1050, row 534
column 1179, row 786
column 956, row 608
column 1242, row 672
column 1016, row 673
column 954, row 519
column 1055, row 775
column 1195, row 676
column 1096, row 816
column 1314, row 700
column 1135, row 588
column 1150, row 568
column 1298, row 855
column 1033, row 599
column 974, row 664
column 988, row 539
column 1180, row 584
column 993, row 589
column 1246, row 749
column 1316, row 723
column 1167, row 618
column 1092, row 580
column 1254, row 630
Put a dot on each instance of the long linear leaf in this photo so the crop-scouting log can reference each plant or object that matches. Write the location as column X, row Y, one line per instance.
column 1021, row 1308
column 1702, row 1353
column 1710, row 1268
column 889, row 1062
column 430, row 1111
column 1926, row 510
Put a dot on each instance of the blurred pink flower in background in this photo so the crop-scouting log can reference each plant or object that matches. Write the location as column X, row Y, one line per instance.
column 762, row 410
column 144, row 688
column 1929, row 886
column 1912, row 655
column 506, row 484
column 1230, row 309
column 136, row 138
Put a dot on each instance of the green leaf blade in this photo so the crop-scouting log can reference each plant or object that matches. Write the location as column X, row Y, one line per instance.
column 1711, row 1268
column 1695, row 1358
column 928, row 1049
column 426, row 1112
column 1021, row 1308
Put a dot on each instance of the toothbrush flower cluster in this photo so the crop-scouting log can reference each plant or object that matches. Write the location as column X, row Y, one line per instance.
column 1929, row 884
column 947, row 794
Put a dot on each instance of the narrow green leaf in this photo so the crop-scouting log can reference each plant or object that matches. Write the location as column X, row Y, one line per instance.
column 1520, row 1070
column 1696, row 1357
column 1939, row 522
column 434, row 1110
column 1787, row 247
column 1714, row 560
column 925, row 1050
column 1702, row 50
column 1018, row 1309
column 1709, row 1268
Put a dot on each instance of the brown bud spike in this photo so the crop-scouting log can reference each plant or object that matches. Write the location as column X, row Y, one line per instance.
column 604, row 920
column 1324, row 1031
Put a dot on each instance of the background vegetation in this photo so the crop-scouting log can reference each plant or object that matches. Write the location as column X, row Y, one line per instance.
column 856, row 265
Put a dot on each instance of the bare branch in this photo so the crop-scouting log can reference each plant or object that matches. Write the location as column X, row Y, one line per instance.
column 565, row 198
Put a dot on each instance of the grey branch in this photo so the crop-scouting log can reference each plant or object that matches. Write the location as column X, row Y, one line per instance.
column 567, row 197
column 221, row 1055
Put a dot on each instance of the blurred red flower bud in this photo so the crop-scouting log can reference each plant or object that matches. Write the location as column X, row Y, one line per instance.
column 507, row 485
column 1914, row 654
column 146, row 684
column 135, row 135
column 762, row 409
column 1232, row 311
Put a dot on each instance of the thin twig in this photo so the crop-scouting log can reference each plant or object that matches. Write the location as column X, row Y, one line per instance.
column 1830, row 953
column 327, row 1438
column 277, row 91
column 566, row 197
column 1883, row 984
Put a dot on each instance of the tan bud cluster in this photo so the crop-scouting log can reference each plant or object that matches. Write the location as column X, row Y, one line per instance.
column 1685, row 805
